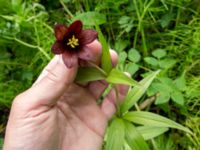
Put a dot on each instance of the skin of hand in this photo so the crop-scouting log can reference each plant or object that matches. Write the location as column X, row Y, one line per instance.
column 58, row 114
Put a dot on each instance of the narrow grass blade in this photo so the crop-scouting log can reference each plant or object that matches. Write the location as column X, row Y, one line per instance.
column 115, row 135
column 86, row 74
column 118, row 77
column 136, row 93
column 106, row 63
column 149, row 132
column 151, row 119
column 134, row 138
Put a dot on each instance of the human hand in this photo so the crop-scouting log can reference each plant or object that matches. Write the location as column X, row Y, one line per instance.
column 58, row 114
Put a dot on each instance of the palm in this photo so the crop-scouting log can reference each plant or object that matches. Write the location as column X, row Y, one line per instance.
column 80, row 120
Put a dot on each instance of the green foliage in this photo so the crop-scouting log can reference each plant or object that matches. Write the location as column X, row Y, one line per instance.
column 116, row 129
column 1, row 143
column 117, row 77
column 168, row 89
column 148, row 36
column 164, row 143
column 151, row 119
column 150, row 132
column 134, row 138
column 137, row 92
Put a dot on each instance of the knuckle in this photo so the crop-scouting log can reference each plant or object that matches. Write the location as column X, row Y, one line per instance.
column 52, row 77
column 18, row 99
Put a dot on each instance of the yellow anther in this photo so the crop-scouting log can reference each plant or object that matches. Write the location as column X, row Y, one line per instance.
column 73, row 42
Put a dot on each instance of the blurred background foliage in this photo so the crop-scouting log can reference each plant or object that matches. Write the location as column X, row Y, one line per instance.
column 147, row 34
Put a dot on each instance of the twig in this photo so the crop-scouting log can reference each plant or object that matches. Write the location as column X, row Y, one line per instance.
column 148, row 102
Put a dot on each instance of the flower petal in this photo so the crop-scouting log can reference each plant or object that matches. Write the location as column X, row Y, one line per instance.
column 70, row 59
column 85, row 54
column 75, row 27
column 57, row 48
column 87, row 36
column 60, row 31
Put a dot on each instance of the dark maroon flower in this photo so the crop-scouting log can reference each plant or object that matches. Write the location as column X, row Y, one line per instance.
column 71, row 42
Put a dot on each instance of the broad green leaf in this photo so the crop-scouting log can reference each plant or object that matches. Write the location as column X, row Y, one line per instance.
column 180, row 83
column 115, row 135
column 166, row 19
column 149, row 132
column 151, row 90
column 91, row 18
column 106, row 63
column 120, row 45
column 159, row 53
column 161, row 87
column 134, row 55
column 167, row 63
column 124, row 20
column 136, row 93
column 131, row 68
column 126, row 146
column 162, row 98
column 168, row 83
column 119, row 77
column 86, row 74
column 177, row 97
column 151, row 119
column 134, row 138
column 151, row 61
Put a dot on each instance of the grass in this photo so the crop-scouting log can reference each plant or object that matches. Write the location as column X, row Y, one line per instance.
column 139, row 26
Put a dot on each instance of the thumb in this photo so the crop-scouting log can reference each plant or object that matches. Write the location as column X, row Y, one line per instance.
column 49, row 89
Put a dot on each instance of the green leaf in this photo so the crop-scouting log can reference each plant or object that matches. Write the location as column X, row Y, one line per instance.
column 122, row 57
column 178, row 98
column 124, row 20
column 162, row 98
column 134, row 55
column 134, row 138
column 131, row 68
column 120, row 45
column 119, row 77
column 165, row 20
column 91, row 18
column 151, row 61
column 149, row 132
column 115, row 135
column 159, row 53
column 151, row 119
column 151, row 90
column 180, row 83
column 168, row 83
column 86, row 74
column 167, row 63
column 136, row 93
column 106, row 63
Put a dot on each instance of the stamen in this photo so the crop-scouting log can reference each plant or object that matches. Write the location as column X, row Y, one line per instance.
column 73, row 42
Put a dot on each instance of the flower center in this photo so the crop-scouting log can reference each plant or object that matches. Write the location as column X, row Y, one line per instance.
column 73, row 42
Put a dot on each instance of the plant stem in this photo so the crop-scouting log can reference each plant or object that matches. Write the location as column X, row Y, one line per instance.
column 66, row 9
column 33, row 46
